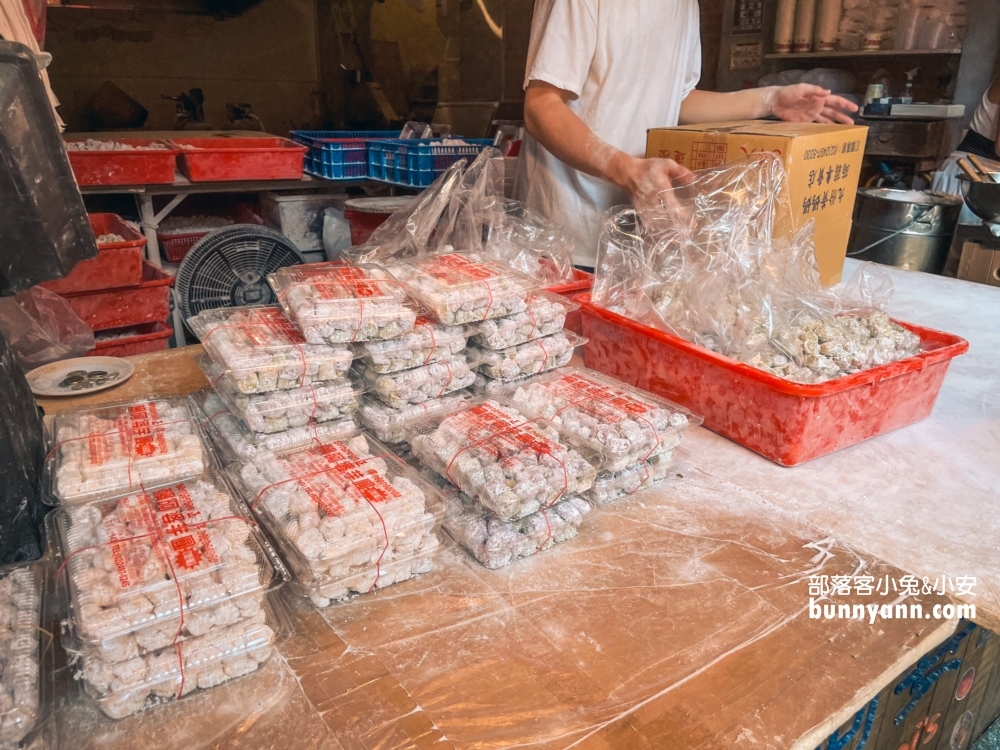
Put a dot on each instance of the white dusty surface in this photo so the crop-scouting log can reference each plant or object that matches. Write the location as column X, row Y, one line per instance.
column 925, row 498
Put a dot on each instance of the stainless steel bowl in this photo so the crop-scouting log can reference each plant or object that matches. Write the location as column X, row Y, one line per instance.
column 983, row 198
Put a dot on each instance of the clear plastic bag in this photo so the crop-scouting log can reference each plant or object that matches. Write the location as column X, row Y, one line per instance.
column 41, row 327
column 719, row 264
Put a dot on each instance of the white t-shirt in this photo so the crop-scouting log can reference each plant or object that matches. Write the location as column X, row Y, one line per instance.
column 629, row 65
column 984, row 119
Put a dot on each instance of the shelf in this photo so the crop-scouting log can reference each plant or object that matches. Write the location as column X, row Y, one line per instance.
column 861, row 53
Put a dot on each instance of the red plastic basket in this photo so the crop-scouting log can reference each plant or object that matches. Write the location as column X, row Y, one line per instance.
column 227, row 159
column 787, row 422
column 149, row 302
column 176, row 246
column 150, row 337
column 124, row 167
column 117, row 263
column 582, row 283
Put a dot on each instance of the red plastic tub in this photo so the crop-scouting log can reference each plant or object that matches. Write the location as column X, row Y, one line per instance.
column 149, row 302
column 117, row 263
column 786, row 422
column 124, row 167
column 365, row 215
column 122, row 342
column 228, row 159
column 582, row 283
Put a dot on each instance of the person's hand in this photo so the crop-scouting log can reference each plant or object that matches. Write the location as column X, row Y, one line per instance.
column 648, row 182
column 803, row 102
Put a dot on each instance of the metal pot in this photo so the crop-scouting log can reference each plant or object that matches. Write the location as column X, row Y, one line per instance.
column 983, row 199
column 905, row 228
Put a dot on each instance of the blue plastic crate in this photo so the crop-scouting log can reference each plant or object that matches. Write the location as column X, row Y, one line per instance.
column 417, row 163
column 338, row 154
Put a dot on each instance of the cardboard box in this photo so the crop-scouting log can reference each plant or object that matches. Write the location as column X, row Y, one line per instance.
column 823, row 163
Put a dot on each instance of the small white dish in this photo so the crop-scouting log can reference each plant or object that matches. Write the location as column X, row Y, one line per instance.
column 79, row 376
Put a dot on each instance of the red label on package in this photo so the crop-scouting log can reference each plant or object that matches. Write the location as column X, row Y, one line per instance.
column 456, row 269
column 162, row 523
column 333, row 469
column 345, row 282
column 596, row 398
column 137, row 434
column 500, row 434
column 269, row 327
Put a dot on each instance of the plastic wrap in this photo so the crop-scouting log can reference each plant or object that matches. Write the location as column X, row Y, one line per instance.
column 530, row 358
column 422, row 384
column 459, row 289
column 511, row 465
column 169, row 674
column 531, row 244
column 279, row 411
column 428, row 342
column 348, row 516
column 616, row 422
column 717, row 264
column 544, row 314
column 20, row 652
column 42, row 327
column 152, row 569
column 392, row 426
column 99, row 452
column 337, row 304
column 407, row 232
column 261, row 351
column 233, row 441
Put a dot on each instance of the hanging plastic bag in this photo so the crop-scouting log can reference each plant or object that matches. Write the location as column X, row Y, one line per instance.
column 41, row 327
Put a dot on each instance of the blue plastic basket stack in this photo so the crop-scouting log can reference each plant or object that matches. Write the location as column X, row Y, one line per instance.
column 339, row 154
column 417, row 163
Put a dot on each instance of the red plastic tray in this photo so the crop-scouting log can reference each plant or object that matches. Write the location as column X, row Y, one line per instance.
column 149, row 302
column 787, row 422
column 124, row 167
column 149, row 337
column 582, row 283
column 227, row 159
column 117, row 263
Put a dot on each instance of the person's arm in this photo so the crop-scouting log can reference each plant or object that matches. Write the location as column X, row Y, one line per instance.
column 553, row 124
column 801, row 102
column 994, row 96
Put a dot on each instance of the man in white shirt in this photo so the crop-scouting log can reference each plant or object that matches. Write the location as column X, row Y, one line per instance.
column 599, row 74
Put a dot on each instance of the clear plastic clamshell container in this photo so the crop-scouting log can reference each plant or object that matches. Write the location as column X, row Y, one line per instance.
column 393, row 426
column 421, row 384
column 21, row 589
column 112, row 449
column 464, row 288
column 428, row 342
column 495, row 543
column 614, row 485
column 349, row 517
column 510, row 464
column 152, row 569
column 279, row 411
column 485, row 387
column 336, row 303
column 620, row 424
column 262, row 351
column 233, row 441
column 530, row 358
column 545, row 314
column 200, row 663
